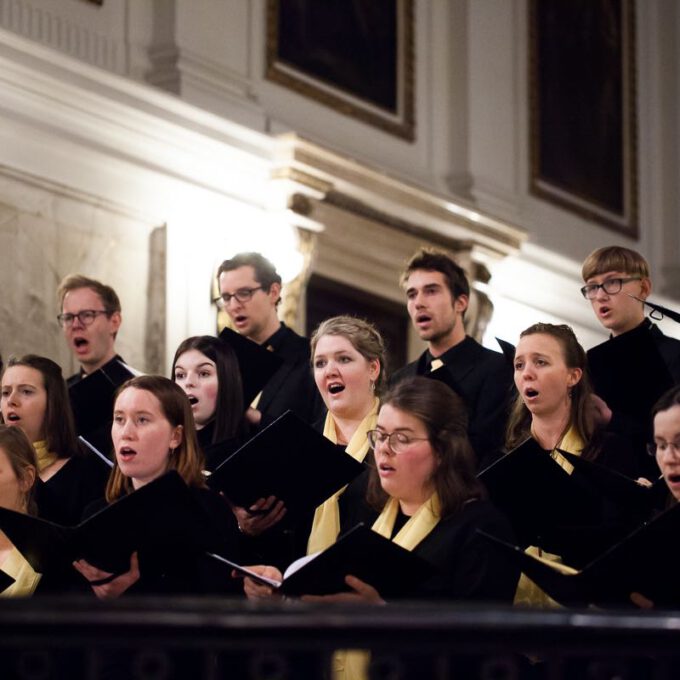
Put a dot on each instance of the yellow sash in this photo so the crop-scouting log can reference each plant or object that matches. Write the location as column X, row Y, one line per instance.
column 326, row 525
column 414, row 531
column 25, row 579
column 352, row 664
column 528, row 593
column 45, row 458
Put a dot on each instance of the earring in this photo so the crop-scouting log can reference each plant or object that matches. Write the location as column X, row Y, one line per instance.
column 372, row 386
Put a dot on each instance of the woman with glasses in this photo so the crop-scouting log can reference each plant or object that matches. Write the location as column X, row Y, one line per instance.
column 206, row 368
column 666, row 446
column 34, row 398
column 423, row 486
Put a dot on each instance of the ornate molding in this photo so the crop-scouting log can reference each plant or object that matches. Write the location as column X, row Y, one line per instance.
column 60, row 33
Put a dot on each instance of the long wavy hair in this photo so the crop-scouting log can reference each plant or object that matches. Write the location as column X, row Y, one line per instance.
column 229, row 406
column 444, row 416
column 519, row 422
column 187, row 458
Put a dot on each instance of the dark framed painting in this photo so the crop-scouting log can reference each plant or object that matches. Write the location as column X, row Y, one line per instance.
column 583, row 142
column 355, row 57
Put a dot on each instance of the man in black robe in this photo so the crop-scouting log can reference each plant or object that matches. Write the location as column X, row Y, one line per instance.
column 437, row 293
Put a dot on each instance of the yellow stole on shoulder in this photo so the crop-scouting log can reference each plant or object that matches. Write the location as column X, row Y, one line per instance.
column 528, row 593
column 45, row 457
column 326, row 525
column 352, row 664
column 416, row 529
column 25, row 579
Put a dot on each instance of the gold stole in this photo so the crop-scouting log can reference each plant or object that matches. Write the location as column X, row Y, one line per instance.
column 352, row 664
column 326, row 525
column 416, row 529
column 45, row 457
column 25, row 579
column 528, row 593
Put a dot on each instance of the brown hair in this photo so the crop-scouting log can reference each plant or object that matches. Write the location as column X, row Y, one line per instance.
column 438, row 261
column 108, row 296
column 363, row 336
column 519, row 423
column 265, row 272
column 186, row 458
column 21, row 456
column 614, row 259
column 58, row 424
column 444, row 416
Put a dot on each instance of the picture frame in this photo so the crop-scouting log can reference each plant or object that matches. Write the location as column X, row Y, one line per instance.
column 355, row 57
column 582, row 100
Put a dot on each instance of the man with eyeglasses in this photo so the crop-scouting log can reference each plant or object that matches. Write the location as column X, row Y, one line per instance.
column 616, row 281
column 250, row 292
column 90, row 318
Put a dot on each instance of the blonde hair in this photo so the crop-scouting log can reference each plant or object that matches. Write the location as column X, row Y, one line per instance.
column 363, row 336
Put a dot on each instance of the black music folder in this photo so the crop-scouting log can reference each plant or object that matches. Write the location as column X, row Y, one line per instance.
column 508, row 350
column 257, row 365
column 629, row 373
column 163, row 516
column 289, row 460
column 646, row 562
column 564, row 511
column 5, row 581
column 92, row 403
column 392, row 570
column 638, row 499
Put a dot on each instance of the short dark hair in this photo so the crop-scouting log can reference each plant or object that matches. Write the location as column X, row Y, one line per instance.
column 445, row 418
column 431, row 260
column 58, row 424
column 265, row 272
column 667, row 401
column 229, row 405
column 108, row 296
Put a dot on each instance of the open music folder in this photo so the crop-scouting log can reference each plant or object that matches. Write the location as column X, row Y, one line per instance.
column 392, row 570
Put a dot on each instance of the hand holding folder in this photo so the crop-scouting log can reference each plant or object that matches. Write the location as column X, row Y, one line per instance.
column 288, row 460
column 361, row 552
column 163, row 516
column 577, row 508
column 646, row 562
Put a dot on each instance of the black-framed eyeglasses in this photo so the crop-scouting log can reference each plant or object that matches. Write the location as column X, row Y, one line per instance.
column 397, row 441
column 242, row 295
column 85, row 316
column 653, row 448
column 610, row 286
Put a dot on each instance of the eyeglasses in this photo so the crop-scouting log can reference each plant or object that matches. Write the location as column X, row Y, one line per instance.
column 85, row 317
column 242, row 295
column 610, row 286
column 653, row 449
column 397, row 441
